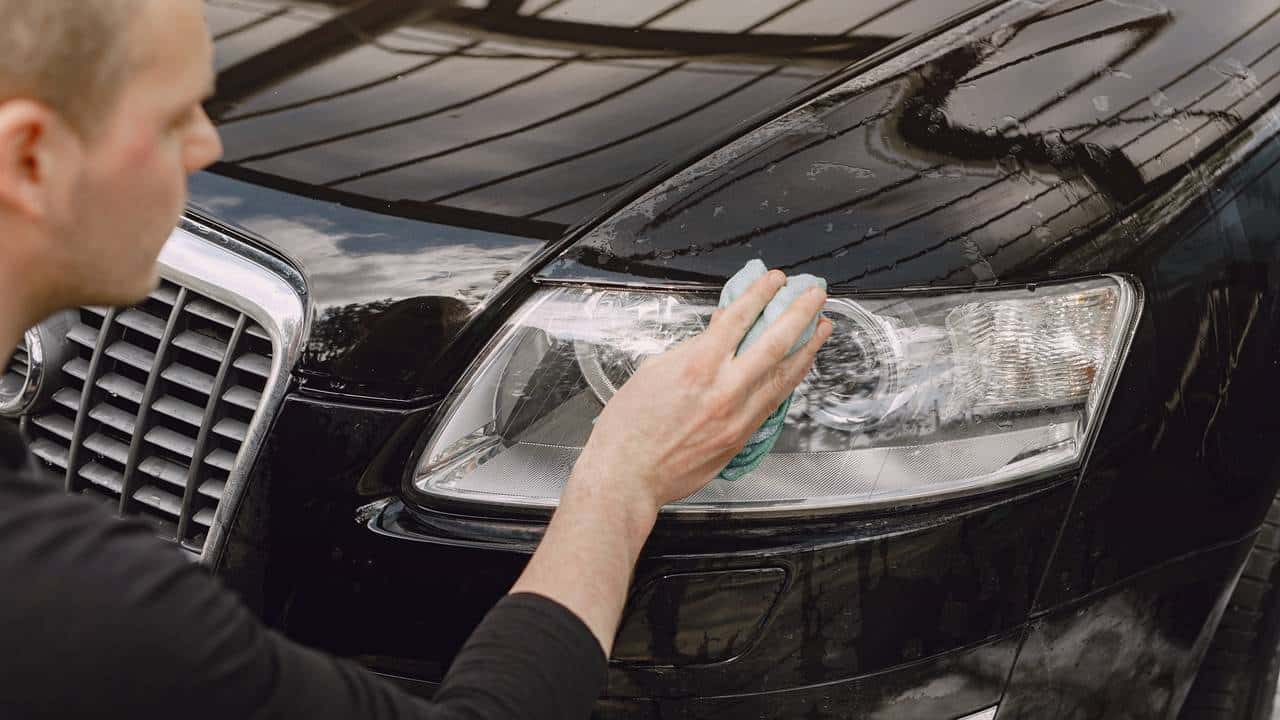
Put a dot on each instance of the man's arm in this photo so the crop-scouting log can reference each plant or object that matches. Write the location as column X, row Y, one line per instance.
column 97, row 616
column 663, row 436
column 99, row 619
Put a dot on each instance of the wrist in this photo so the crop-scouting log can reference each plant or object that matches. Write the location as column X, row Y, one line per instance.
column 623, row 501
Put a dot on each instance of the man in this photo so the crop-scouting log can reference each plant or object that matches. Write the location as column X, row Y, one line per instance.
column 100, row 123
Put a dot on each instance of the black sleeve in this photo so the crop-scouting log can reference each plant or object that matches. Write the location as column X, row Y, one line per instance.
column 98, row 618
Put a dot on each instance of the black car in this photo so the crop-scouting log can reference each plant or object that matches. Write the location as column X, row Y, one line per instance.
column 1033, row 474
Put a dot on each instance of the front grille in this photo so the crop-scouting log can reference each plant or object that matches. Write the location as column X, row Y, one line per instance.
column 19, row 364
column 153, row 407
column 14, row 378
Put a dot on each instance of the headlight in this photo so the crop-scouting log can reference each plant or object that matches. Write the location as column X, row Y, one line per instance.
column 914, row 396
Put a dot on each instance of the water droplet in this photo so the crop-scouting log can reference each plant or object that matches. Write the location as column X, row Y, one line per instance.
column 830, row 227
column 841, row 252
column 1009, row 124
column 1101, row 103
column 718, row 211
column 858, row 173
column 642, row 240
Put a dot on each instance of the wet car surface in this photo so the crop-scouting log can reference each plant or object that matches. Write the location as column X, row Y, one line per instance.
column 430, row 168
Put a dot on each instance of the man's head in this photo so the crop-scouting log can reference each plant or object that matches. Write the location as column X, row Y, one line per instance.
column 100, row 125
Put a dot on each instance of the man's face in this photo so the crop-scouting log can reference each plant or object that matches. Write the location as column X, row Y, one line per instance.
column 133, row 181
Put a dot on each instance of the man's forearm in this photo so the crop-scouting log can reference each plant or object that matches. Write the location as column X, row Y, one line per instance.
column 589, row 550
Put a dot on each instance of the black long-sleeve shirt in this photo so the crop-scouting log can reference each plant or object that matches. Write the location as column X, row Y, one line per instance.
column 100, row 619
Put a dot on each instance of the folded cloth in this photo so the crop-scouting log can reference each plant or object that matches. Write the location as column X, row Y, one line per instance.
column 763, row 439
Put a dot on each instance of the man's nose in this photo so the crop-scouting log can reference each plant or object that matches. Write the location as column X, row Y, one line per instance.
column 205, row 146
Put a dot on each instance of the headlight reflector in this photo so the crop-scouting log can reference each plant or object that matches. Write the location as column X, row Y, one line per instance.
column 915, row 396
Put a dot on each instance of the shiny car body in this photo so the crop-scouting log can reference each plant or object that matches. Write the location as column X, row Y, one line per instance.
column 425, row 166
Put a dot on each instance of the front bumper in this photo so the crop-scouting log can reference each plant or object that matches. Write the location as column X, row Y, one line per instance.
column 920, row 613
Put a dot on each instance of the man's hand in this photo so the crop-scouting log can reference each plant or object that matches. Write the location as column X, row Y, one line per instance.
column 663, row 436
column 685, row 414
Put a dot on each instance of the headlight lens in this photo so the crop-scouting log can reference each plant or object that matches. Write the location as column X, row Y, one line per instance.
column 914, row 396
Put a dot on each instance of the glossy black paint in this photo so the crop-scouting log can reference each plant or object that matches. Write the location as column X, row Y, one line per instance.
column 1127, row 652
column 840, row 598
column 1041, row 146
column 414, row 101
column 388, row 295
column 523, row 111
column 1189, row 440
column 981, row 163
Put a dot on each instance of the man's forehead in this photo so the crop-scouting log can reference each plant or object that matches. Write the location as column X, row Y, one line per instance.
column 170, row 38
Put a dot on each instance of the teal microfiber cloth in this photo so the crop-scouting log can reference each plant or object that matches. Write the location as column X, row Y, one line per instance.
column 762, row 440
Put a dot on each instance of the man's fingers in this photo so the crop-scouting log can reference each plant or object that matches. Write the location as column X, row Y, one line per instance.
column 773, row 345
column 733, row 322
column 779, row 383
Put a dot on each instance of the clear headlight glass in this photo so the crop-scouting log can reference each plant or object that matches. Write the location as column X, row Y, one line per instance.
column 914, row 396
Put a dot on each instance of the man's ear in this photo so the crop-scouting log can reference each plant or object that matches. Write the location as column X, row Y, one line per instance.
column 37, row 155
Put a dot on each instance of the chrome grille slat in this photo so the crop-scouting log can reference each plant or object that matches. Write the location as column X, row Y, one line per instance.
column 68, row 398
column 243, row 397
column 175, row 442
column 114, row 417
column 103, row 477
column 221, row 459
column 213, row 488
column 189, row 378
column 166, row 293
column 158, row 407
column 170, row 472
column 131, row 355
column 49, row 451
column 213, row 313
column 178, row 409
column 82, row 334
column 107, row 447
column 202, row 345
column 253, row 363
column 77, row 368
column 121, row 386
column 204, row 518
column 145, row 323
column 153, row 496
column 232, row 429
column 56, row 424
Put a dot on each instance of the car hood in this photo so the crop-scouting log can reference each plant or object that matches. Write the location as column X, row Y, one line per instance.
column 409, row 155
column 525, row 114
column 409, row 160
column 1013, row 149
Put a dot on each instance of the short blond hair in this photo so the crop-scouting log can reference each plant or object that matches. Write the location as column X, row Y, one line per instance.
column 73, row 55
